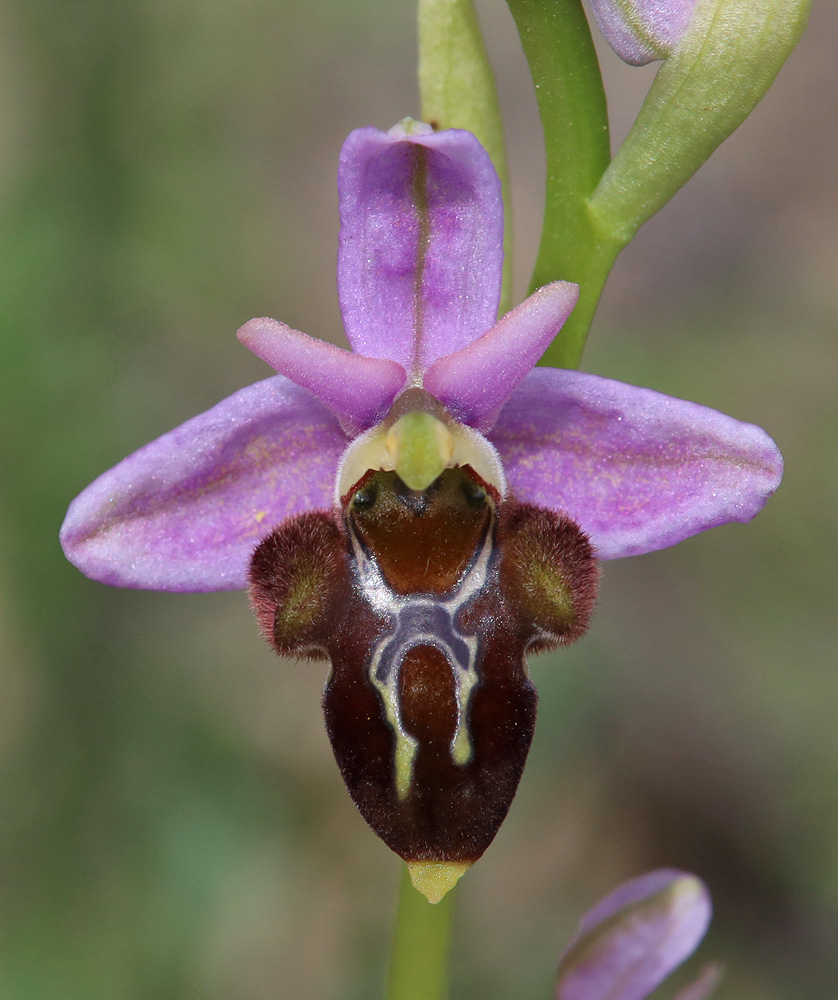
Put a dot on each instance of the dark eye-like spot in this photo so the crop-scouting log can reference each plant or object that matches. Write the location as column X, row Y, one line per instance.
column 365, row 497
column 474, row 493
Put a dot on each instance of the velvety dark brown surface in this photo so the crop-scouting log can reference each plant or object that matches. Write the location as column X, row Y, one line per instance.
column 452, row 812
column 311, row 595
column 298, row 576
column 548, row 573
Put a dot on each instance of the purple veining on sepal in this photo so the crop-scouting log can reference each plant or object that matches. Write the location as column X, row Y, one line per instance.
column 358, row 390
column 186, row 511
column 641, row 31
column 635, row 937
column 416, row 283
column 476, row 381
column 636, row 469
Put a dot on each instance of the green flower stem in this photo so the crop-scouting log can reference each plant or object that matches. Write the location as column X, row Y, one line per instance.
column 457, row 90
column 593, row 265
column 421, row 943
column 558, row 46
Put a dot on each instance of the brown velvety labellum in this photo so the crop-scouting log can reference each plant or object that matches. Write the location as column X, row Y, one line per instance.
column 298, row 576
column 426, row 603
column 549, row 574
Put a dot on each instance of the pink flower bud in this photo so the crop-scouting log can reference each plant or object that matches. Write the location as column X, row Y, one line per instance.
column 641, row 31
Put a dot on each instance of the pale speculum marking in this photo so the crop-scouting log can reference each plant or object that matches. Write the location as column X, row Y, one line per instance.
column 422, row 620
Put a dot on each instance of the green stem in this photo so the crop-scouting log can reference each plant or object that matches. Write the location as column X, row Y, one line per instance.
column 457, row 89
column 421, row 943
column 571, row 101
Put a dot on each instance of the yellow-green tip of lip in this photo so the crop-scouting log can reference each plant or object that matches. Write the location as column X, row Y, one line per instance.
column 436, row 878
column 420, row 446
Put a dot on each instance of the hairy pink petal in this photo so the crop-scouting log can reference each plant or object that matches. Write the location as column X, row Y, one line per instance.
column 359, row 390
column 638, row 470
column 476, row 381
column 421, row 243
column 631, row 941
column 185, row 512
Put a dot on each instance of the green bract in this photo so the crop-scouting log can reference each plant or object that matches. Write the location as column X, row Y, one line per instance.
column 715, row 76
column 716, row 71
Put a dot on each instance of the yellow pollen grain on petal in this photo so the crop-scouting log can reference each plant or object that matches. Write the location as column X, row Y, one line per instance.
column 434, row 879
column 421, row 448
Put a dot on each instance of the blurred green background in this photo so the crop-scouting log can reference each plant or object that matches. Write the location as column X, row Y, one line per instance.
column 172, row 824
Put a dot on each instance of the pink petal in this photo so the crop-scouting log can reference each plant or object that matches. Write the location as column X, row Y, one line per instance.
column 185, row 512
column 476, row 381
column 631, row 941
column 638, row 470
column 420, row 255
column 358, row 390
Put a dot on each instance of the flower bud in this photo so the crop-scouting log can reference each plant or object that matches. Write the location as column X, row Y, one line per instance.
column 631, row 941
column 641, row 31
column 719, row 65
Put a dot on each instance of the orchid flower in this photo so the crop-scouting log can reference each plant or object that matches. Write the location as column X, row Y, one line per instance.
column 424, row 509
column 634, row 938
